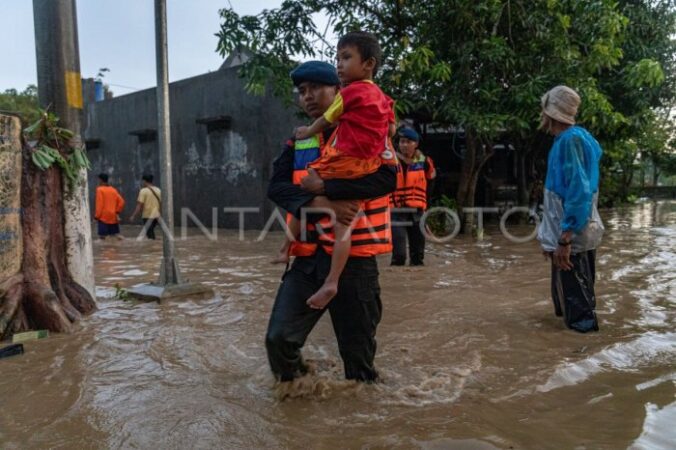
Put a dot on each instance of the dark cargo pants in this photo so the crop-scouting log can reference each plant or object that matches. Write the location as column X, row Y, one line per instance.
column 573, row 292
column 355, row 313
column 416, row 240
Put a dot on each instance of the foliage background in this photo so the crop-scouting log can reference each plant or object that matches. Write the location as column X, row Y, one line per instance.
column 482, row 65
column 24, row 103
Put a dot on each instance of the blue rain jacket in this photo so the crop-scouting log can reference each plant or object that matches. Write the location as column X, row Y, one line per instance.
column 571, row 191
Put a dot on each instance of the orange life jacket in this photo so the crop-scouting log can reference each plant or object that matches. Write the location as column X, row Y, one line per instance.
column 412, row 187
column 371, row 233
column 304, row 152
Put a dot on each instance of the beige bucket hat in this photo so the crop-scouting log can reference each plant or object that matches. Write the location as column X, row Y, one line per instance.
column 561, row 104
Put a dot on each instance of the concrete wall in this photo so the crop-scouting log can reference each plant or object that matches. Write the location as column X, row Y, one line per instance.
column 214, row 168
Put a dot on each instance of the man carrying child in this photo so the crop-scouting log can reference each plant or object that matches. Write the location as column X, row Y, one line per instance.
column 356, row 308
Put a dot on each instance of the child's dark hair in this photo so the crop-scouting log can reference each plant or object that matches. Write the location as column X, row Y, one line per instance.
column 366, row 44
column 103, row 177
column 148, row 178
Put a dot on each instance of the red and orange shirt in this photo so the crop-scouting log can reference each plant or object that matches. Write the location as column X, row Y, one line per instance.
column 364, row 113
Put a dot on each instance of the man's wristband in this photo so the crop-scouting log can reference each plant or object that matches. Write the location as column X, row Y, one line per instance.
column 563, row 243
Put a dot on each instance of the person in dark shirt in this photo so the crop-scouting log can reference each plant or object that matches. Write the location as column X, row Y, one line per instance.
column 356, row 310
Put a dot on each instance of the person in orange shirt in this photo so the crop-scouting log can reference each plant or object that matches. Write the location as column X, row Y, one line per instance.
column 109, row 204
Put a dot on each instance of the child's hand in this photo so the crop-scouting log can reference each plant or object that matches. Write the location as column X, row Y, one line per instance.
column 392, row 130
column 312, row 182
column 302, row 132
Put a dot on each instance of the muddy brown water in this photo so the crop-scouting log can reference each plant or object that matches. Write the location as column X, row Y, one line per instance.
column 470, row 352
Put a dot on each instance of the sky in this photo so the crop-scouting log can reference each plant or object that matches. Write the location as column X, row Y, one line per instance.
column 119, row 35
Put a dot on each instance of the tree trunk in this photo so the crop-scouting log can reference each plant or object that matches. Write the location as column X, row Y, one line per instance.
column 78, row 234
column 626, row 185
column 472, row 164
column 466, row 170
column 521, row 175
column 36, row 289
column 656, row 175
column 642, row 174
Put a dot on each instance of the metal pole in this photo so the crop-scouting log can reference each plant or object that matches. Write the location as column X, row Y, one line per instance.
column 169, row 270
column 60, row 89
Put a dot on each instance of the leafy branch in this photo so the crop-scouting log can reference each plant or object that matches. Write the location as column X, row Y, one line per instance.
column 121, row 293
column 56, row 145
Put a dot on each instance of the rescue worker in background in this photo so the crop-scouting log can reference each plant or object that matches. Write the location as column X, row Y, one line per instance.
column 415, row 175
column 356, row 310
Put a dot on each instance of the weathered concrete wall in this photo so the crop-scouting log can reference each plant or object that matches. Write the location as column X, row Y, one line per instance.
column 11, row 243
column 213, row 168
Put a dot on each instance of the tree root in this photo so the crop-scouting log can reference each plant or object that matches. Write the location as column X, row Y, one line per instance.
column 11, row 293
column 43, row 295
column 43, row 308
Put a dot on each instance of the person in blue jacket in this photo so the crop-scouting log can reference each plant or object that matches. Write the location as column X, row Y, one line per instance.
column 571, row 228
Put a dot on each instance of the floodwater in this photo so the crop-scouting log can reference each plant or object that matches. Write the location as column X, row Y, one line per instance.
column 470, row 352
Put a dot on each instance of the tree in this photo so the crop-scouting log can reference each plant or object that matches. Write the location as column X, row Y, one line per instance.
column 480, row 65
column 666, row 164
column 24, row 104
column 653, row 146
column 36, row 287
column 657, row 144
column 643, row 91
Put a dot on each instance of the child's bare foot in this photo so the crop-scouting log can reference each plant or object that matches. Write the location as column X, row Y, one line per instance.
column 323, row 296
column 281, row 258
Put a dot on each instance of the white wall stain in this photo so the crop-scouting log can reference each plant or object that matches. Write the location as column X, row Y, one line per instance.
column 193, row 163
column 235, row 161
column 228, row 148
column 208, row 156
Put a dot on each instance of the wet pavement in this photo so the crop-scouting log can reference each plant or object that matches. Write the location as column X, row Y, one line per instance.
column 470, row 352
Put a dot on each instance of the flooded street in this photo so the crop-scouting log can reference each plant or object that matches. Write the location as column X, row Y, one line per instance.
column 470, row 353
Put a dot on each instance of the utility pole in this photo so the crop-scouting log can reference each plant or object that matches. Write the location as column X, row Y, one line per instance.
column 169, row 270
column 170, row 285
column 60, row 89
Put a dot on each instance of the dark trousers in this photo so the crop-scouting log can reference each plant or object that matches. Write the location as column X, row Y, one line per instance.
column 355, row 313
column 573, row 292
column 416, row 240
column 150, row 228
column 108, row 229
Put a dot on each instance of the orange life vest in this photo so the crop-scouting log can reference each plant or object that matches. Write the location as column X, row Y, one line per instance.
column 304, row 152
column 411, row 187
column 371, row 232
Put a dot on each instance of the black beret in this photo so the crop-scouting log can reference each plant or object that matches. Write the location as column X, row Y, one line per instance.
column 315, row 72
column 409, row 133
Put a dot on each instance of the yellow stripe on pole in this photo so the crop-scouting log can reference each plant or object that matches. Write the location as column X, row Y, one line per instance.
column 74, row 89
